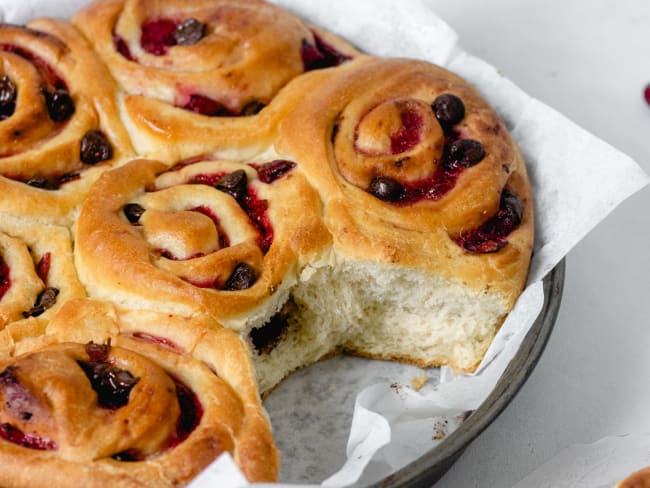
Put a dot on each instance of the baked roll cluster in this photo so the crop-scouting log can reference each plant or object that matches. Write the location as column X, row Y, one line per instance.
column 200, row 198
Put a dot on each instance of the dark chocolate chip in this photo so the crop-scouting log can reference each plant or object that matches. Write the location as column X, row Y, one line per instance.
column 252, row 108
column 40, row 182
column 449, row 109
column 266, row 337
column 386, row 189
column 113, row 385
column 242, row 277
column 133, row 212
column 189, row 32
column 95, row 148
column 8, row 95
column 234, row 184
column 46, row 299
column 59, row 105
column 464, row 153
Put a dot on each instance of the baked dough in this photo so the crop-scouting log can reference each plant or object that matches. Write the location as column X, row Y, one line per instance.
column 107, row 397
column 63, row 112
column 253, row 192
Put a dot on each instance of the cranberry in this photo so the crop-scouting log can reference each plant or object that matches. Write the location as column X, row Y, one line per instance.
column 113, row 385
column 408, row 136
column 269, row 172
column 191, row 411
column 133, row 212
column 234, row 184
column 5, row 279
column 98, row 352
column 8, row 94
column 464, row 153
column 59, row 105
column 242, row 278
column 491, row 236
column 123, row 48
column 449, row 109
column 46, row 299
column 30, row 441
column 320, row 54
column 207, row 106
column 189, row 32
column 386, row 189
column 646, row 94
column 43, row 266
column 265, row 338
column 157, row 36
column 95, row 148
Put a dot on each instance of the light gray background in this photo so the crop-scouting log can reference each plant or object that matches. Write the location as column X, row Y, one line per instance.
column 590, row 60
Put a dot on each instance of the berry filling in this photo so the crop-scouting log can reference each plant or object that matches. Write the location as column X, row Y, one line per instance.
column 161, row 34
column 646, row 94
column 95, row 148
column 255, row 208
column 158, row 36
column 320, row 54
column 224, row 241
column 203, row 105
column 160, row 341
column 191, row 412
column 52, row 182
column 266, row 337
column 492, row 235
column 51, row 78
column 5, row 279
column 113, row 385
column 31, row 441
column 8, row 94
column 408, row 136
column 271, row 171
column 15, row 398
column 123, row 48
column 46, row 299
column 43, row 266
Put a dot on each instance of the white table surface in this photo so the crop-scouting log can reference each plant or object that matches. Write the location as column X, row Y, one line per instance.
column 591, row 61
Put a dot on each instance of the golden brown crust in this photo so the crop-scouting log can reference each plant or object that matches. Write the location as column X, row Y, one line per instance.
column 173, row 258
column 638, row 479
column 41, row 167
column 346, row 120
column 247, row 52
column 35, row 258
column 195, row 397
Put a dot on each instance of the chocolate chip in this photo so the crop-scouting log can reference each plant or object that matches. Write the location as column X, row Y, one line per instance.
column 242, row 277
column 464, row 153
column 46, row 299
column 40, row 182
column 234, row 184
column 189, row 32
column 8, row 95
column 95, row 148
column 449, row 109
column 133, row 212
column 252, row 108
column 386, row 189
column 59, row 105
column 266, row 337
column 112, row 384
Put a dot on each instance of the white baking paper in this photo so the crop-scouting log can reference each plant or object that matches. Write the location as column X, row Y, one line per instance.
column 599, row 465
column 351, row 421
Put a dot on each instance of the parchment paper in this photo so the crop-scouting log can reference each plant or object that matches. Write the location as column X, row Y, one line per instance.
column 349, row 420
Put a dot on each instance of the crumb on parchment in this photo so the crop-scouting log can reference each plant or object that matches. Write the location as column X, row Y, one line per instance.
column 419, row 381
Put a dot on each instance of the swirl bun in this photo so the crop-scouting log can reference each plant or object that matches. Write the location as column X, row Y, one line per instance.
column 219, row 59
column 200, row 197
column 58, row 131
column 106, row 396
column 219, row 237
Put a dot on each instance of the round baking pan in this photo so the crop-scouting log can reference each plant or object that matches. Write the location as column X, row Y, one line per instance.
column 430, row 467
